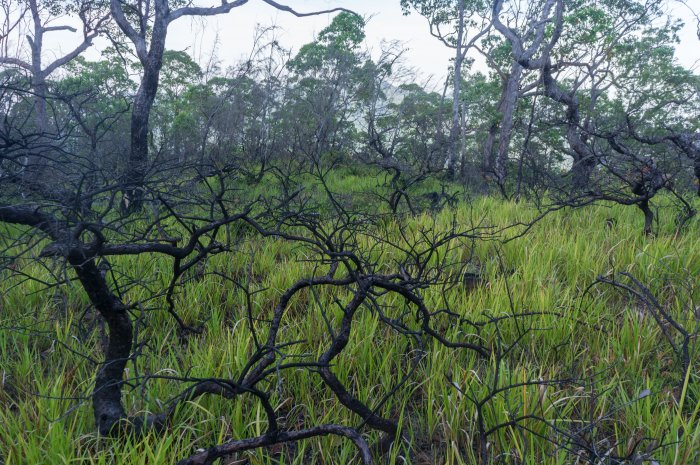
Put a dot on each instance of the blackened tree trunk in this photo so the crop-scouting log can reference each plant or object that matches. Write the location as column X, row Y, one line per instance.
column 107, row 404
column 33, row 165
column 106, row 396
column 143, row 103
column 581, row 172
column 38, row 78
column 152, row 62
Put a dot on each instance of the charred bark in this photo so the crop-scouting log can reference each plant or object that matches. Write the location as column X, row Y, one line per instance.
column 106, row 395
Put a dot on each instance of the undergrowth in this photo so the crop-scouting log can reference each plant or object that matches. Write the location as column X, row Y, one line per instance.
column 636, row 387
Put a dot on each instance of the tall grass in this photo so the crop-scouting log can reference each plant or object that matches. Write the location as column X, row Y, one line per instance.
column 45, row 415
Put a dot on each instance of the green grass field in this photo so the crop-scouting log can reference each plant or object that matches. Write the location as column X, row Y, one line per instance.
column 636, row 395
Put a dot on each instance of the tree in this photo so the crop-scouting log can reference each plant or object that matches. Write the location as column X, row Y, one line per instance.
column 175, row 119
column 458, row 18
column 42, row 15
column 327, row 86
column 145, row 24
column 522, row 57
column 595, row 72
column 205, row 210
column 94, row 96
column 258, row 157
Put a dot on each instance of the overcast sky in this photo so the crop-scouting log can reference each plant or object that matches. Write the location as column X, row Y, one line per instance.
column 425, row 53
column 235, row 32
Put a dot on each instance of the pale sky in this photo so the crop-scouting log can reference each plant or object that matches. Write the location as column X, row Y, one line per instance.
column 425, row 53
column 236, row 29
column 235, row 32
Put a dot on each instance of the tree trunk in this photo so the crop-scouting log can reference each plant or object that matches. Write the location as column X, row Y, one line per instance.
column 33, row 164
column 456, row 90
column 585, row 159
column 489, row 161
column 464, row 164
column 106, row 395
column 526, row 149
column 581, row 172
column 509, row 103
column 134, row 189
column 648, row 216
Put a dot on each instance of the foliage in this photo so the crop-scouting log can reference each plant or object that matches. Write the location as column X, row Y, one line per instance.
column 293, row 260
column 603, row 332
